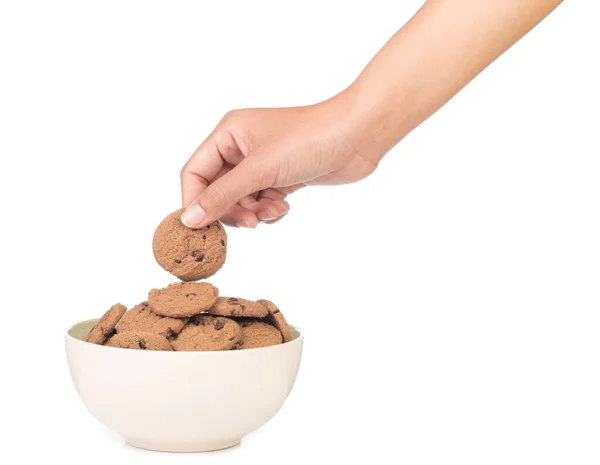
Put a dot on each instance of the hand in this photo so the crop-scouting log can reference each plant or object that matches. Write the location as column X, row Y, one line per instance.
column 244, row 170
column 255, row 158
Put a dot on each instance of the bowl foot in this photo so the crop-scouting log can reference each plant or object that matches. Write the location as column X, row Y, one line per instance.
column 192, row 446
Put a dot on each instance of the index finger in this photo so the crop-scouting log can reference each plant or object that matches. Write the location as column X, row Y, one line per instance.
column 205, row 164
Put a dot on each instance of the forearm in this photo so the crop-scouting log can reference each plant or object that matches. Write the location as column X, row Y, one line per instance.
column 440, row 50
column 255, row 157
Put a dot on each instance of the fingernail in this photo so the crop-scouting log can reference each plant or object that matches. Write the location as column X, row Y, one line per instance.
column 193, row 216
column 244, row 224
column 270, row 216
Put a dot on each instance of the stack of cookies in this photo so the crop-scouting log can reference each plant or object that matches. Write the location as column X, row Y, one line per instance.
column 190, row 315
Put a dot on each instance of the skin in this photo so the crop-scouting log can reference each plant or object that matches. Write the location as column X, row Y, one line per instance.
column 254, row 158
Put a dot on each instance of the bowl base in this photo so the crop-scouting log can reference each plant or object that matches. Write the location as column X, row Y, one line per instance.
column 195, row 446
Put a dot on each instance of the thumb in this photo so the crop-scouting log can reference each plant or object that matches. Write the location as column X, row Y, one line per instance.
column 249, row 176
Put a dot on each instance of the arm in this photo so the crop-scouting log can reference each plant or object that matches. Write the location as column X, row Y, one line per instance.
column 438, row 52
column 254, row 158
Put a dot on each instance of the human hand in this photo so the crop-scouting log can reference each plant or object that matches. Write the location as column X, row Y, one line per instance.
column 255, row 158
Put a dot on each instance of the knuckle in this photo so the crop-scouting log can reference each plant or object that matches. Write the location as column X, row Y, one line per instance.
column 229, row 118
column 184, row 171
column 235, row 118
column 222, row 138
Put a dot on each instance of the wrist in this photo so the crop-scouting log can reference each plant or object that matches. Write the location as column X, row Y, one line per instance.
column 377, row 117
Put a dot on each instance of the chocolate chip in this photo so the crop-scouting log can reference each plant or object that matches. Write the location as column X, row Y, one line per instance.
column 276, row 312
column 222, row 242
column 232, row 338
column 142, row 344
column 204, row 236
column 240, row 344
column 198, row 255
column 217, row 225
column 220, row 324
column 232, row 299
column 178, row 262
column 190, row 294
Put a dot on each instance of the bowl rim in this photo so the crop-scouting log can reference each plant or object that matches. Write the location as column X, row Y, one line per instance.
column 298, row 339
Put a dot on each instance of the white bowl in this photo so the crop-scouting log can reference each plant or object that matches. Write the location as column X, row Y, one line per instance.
column 182, row 401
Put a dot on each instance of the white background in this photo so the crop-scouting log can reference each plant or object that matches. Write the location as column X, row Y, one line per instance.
column 450, row 301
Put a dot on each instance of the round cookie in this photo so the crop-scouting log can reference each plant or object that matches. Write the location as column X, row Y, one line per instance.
column 189, row 254
column 105, row 326
column 183, row 299
column 139, row 340
column 257, row 334
column 142, row 318
column 277, row 319
column 207, row 333
column 232, row 306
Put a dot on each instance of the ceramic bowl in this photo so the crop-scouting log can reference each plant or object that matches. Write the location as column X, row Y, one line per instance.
column 182, row 401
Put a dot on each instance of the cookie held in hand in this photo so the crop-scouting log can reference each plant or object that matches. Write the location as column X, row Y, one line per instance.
column 189, row 254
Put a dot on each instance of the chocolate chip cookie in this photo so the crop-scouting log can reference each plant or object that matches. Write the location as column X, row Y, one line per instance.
column 183, row 299
column 105, row 326
column 233, row 306
column 189, row 254
column 277, row 319
column 205, row 332
column 257, row 334
column 139, row 340
column 142, row 318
